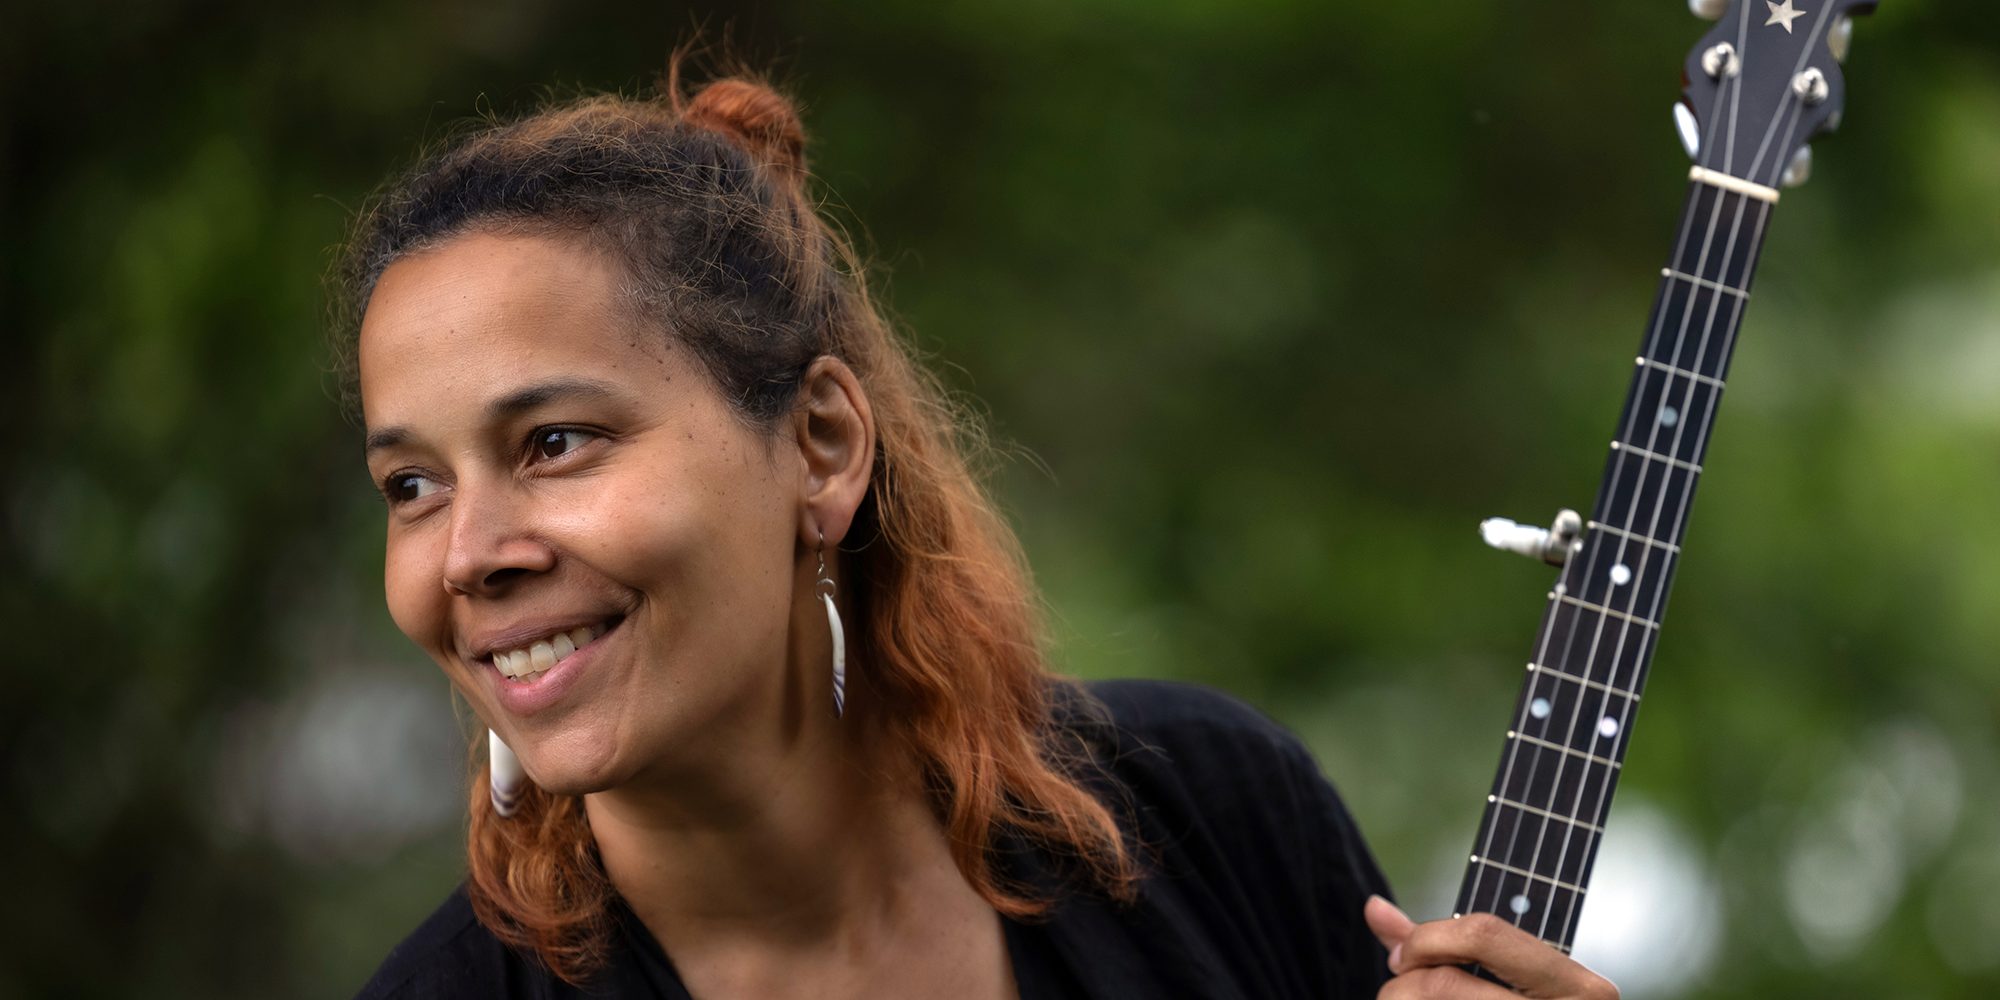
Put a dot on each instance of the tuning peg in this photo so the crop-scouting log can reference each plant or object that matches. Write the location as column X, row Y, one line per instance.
column 1708, row 10
column 1721, row 62
column 1838, row 38
column 1550, row 545
column 1689, row 130
column 1799, row 170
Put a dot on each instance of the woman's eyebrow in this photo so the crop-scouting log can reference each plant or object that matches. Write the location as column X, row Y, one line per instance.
column 554, row 390
column 387, row 437
column 519, row 401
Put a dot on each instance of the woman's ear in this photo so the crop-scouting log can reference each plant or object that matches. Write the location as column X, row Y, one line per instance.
column 836, row 437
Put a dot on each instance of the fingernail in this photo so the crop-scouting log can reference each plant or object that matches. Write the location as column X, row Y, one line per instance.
column 1396, row 958
column 1385, row 899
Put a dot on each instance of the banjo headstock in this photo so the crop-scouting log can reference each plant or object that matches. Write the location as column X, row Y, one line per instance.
column 1762, row 83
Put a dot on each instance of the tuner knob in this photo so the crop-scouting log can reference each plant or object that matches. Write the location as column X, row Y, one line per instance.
column 1551, row 545
column 1721, row 61
column 1810, row 85
column 1708, row 10
column 1799, row 170
column 1839, row 37
column 1690, row 131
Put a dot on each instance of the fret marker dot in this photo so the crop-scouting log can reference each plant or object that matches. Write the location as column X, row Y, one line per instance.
column 1561, row 590
column 1539, row 708
column 1669, row 416
column 1608, row 726
column 1520, row 903
column 1621, row 574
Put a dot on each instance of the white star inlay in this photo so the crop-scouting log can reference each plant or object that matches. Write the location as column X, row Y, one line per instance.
column 1783, row 14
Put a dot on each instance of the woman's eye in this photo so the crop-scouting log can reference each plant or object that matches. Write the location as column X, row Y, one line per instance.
column 405, row 488
column 551, row 444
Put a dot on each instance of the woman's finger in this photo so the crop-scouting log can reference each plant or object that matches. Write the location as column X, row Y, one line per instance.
column 1521, row 959
column 1443, row 982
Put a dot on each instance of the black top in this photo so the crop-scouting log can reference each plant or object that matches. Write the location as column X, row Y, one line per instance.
column 1256, row 880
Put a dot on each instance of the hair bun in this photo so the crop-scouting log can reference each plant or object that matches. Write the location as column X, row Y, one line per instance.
column 756, row 118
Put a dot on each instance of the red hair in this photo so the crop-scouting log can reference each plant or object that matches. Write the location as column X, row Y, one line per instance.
column 949, row 645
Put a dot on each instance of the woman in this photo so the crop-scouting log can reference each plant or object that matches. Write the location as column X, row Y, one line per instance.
column 680, row 518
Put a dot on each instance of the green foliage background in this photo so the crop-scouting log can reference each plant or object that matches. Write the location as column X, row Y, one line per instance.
column 1280, row 297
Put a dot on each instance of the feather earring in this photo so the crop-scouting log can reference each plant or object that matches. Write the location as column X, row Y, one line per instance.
column 504, row 775
column 824, row 588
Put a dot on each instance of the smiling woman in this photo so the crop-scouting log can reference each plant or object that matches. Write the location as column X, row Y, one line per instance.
column 646, row 443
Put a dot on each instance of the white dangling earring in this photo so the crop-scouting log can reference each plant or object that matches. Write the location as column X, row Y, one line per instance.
column 504, row 775
column 824, row 588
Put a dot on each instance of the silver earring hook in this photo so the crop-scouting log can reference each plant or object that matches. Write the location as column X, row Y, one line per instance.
column 824, row 580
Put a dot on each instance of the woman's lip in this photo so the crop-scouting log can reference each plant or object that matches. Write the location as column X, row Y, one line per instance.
column 525, row 699
column 523, row 636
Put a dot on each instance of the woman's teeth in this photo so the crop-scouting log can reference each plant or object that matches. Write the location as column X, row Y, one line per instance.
column 529, row 663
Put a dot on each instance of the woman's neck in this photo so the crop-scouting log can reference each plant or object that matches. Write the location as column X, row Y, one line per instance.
column 819, row 870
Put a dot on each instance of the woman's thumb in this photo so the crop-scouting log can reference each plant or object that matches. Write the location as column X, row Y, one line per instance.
column 1390, row 925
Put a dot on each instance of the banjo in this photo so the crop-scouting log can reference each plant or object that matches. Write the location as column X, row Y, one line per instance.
column 1762, row 83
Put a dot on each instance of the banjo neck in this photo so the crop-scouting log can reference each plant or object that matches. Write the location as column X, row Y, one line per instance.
column 1566, row 743
column 1757, row 90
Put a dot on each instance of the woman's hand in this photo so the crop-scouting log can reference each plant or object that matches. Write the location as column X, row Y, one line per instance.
column 1426, row 960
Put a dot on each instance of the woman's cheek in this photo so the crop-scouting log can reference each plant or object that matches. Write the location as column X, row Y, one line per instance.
column 631, row 527
column 413, row 586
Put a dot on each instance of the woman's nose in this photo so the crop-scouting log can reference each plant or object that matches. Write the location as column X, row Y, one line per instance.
column 492, row 544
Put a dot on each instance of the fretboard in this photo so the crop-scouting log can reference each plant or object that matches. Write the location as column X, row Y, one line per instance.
column 1565, row 746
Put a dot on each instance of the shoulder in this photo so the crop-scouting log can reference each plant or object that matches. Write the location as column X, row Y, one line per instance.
column 1167, row 709
column 1253, row 845
column 451, row 955
column 1211, row 773
column 1209, row 764
column 1197, row 737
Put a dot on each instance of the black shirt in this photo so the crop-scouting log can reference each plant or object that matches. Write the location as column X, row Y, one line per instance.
column 1256, row 879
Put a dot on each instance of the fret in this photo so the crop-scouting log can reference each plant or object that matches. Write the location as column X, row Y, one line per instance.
column 1645, row 497
column 1549, row 745
column 1688, row 319
column 1585, row 681
column 1668, row 414
column 1544, row 813
column 1557, row 849
column 1536, row 905
column 1622, row 576
column 1662, row 366
column 1558, row 883
column 1573, row 714
column 1630, row 536
column 1668, row 272
column 1573, row 641
column 1653, row 455
column 1722, row 244
column 1602, row 610
column 1553, row 781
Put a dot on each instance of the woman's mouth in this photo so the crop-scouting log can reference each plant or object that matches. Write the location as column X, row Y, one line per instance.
column 527, row 664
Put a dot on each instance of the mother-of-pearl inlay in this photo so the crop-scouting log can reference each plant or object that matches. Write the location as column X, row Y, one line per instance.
column 1669, row 416
column 1621, row 574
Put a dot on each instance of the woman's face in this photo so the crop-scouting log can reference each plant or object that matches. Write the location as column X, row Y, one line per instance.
column 600, row 554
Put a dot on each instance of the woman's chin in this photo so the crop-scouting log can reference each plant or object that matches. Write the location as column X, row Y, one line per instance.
column 566, row 772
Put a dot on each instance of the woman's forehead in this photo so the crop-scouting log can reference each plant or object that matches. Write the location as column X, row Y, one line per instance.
column 470, row 320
